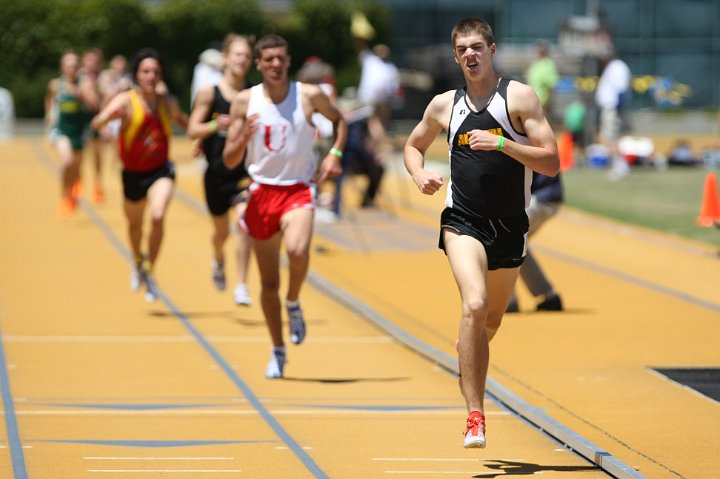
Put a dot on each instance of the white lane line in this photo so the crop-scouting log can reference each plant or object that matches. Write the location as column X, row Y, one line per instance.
column 241, row 412
column 436, row 472
column 188, row 339
column 145, row 471
column 424, row 459
column 156, row 458
column 98, row 339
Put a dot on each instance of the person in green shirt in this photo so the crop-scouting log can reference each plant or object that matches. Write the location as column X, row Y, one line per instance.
column 68, row 99
column 542, row 76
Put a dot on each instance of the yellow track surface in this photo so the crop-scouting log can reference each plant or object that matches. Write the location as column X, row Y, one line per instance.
column 98, row 383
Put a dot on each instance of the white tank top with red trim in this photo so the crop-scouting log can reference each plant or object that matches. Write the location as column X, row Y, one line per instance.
column 280, row 152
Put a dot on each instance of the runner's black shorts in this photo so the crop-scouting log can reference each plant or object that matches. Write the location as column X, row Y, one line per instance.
column 137, row 183
column 224, row 188
column 504, row 239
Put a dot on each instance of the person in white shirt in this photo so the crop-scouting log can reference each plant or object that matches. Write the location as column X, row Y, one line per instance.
column 208, row 71
column 611, row 97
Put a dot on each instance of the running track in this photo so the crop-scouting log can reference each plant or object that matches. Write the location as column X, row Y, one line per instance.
column 98, row 383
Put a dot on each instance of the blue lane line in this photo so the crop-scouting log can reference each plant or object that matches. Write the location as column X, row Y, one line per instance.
column 17, row 456
column 11, row 425
column 378, row 408
column 132, row 407
column 251, row 397
column 307, row 461
column 150, row 444
column 234, row 377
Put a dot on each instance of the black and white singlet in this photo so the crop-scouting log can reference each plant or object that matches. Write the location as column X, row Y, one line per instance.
column 488, row 184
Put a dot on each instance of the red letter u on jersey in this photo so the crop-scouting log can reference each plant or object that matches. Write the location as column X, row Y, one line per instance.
column 279, row 132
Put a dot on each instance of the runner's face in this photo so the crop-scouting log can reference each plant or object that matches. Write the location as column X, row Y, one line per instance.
column 238, row 57
column 273, row 64
column 148, row 75
column 91, row 62
column 69, row 65
column 473, row 54
column 119, row 65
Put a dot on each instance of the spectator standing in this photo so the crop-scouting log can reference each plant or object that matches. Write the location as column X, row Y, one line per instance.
column 542, row 76
column 546, row 199
column 546, row 191
column 208, row 71
column 612, row 97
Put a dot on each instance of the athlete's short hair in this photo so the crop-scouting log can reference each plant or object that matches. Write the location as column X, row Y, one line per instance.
column 269, row 41
column 471, row 25
column 231, row 38
column 141, row 55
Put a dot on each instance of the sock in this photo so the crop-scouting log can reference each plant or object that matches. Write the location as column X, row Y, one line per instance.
column 292, row 304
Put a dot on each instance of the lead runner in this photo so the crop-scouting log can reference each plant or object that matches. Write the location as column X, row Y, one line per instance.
column 498, row 135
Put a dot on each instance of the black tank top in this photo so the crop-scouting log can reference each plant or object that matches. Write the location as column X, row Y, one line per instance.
column 214, row 144
column 488, row 184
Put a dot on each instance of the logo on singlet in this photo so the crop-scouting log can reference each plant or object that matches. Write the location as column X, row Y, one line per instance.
column 463, row 139
column 269, row 137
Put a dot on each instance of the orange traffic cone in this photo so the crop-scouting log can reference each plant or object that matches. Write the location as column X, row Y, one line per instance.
column 710, row 210
column 566, row 151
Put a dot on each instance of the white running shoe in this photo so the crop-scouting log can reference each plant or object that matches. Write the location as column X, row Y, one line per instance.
column 137, row 276
column 152, row 292
column 241, row 295
column 218, row 275
column 297, row 324
column 275, row 367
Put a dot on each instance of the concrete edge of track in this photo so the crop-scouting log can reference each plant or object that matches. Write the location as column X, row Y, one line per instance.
column 503, row 396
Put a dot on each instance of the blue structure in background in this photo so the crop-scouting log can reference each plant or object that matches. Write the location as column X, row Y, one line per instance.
column 675, row 40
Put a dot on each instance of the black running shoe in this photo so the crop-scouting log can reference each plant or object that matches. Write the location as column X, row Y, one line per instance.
column 551, row 303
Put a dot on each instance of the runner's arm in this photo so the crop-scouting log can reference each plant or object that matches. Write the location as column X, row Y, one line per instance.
column 525, row 109
column 116, row 108
column 420, row 139
column 198, row 128
column 240, row 131
column 331, row 165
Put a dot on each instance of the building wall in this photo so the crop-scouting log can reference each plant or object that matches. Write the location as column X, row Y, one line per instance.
column 679, row 40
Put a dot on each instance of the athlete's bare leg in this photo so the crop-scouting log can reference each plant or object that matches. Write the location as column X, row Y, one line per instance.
column 297, row 228
column 134, row 212
column 70, row 161
column 221, row 231
column 158, row 198
column 484, row 298
column 267, row 254
column 243, row 247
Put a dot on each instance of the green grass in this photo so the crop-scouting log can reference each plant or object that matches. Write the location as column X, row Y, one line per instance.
column 666, row 200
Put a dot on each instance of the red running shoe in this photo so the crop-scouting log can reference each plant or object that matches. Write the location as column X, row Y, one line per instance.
column 475, row 431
